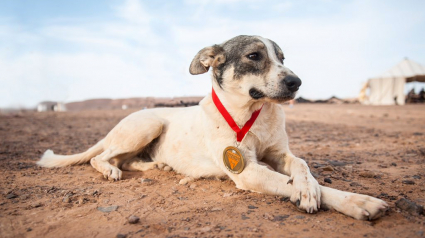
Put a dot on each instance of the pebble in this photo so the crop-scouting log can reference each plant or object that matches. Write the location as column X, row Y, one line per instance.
column 367, row 174
column 393, row 164
column 328, row 168
column 408, row 182
column 66, row 199
column 107, row 209
column 355, row 184
column 268, row 216
column 252, row 207
column 167, row 168
column 121, row 236
column 337, row 163
column 328, row 180
column 216, row 209
column 409, row 206
column 300, row 217
column 146, row 181
column 11, row 196
column 416, row 177
column 192, row 186
column 280, row 218
column 133, row 219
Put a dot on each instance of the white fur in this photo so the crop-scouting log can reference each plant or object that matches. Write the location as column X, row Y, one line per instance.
column 191, row 141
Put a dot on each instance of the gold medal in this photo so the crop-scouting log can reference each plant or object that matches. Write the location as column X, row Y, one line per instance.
column 233, row 160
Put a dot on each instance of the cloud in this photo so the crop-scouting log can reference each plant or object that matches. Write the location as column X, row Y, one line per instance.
column 144, row 50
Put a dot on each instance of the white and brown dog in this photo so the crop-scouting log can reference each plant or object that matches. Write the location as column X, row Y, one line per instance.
column 248, row 75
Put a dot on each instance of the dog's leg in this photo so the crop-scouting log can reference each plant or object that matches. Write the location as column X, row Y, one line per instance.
column 359, row 206
column 101, row 164
column 259, row 178
column 355, row 205
column 126, row 140
column 306, row 193
column 138, row 165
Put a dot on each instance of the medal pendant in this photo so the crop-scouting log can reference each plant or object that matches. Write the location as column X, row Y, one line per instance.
column 233, row 160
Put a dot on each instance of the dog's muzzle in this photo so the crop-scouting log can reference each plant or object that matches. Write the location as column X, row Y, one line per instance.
column 292, row 83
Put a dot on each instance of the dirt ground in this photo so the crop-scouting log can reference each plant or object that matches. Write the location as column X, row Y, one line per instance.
column 379, row 151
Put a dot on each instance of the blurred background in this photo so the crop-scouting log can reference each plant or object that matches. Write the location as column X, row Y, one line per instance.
column 68, row 51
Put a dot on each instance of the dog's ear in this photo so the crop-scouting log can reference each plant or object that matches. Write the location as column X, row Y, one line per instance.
column 211, row 56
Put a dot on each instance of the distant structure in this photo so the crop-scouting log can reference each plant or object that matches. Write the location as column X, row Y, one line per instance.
column 388, row 88
column 132, row 103
column 51, row 106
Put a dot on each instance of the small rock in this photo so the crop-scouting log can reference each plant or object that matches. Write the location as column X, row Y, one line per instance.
column 337, row 163
column 393, row 164
column 36, row 204
column 107, row 209
column 409, row 206
column 66, row 199
column 328, row 168
column 268, row 216
column 216, row 209
column 146, row 181
column 252, row 207
column 315, row 175
column 227, row 194
column 133, row 219
column 355, row 184
column 167, row 168
column 121, row 236
column 26, row 196
column 408, row 182
column 244, row 217
column 280, row 218
column 367, row 174
column 328, row 180
column 416, row 177
column 11, row 196
column 300, row 217
column 192, row 186
column 29, row 229
column 418, row 133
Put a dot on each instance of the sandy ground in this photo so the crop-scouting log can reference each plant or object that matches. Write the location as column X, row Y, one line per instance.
column 379, row 151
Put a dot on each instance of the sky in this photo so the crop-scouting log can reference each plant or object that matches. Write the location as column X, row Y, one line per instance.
column 75, row 50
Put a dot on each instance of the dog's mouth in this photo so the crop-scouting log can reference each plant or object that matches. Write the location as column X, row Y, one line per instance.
column 282, row 97
column 256, row 94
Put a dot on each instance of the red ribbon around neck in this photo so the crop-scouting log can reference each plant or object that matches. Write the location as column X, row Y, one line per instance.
column 240, row 133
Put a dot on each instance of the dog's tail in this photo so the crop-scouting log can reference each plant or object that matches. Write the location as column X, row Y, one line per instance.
column 49, row 159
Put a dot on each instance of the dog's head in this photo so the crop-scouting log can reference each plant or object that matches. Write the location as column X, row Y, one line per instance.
column 248, row 65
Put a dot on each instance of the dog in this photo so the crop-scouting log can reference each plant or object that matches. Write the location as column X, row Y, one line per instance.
column 249, row 80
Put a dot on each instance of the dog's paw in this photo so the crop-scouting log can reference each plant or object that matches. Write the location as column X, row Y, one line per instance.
column 306, row 193
column 186, row 180
column 165, row 167
column 363, row 207
column 112, row 173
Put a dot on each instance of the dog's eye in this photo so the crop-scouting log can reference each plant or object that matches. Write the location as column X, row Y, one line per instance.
column 253, row 56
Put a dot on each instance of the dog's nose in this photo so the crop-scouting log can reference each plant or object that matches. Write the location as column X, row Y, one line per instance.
column 292, row 82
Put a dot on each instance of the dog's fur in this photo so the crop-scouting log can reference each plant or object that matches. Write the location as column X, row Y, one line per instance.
column 247, row 72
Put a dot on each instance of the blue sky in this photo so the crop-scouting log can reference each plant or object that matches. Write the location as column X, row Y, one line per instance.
column 76, row 50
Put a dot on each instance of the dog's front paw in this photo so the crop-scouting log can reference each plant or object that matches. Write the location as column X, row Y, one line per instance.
column 306, row 193
column 364, row 207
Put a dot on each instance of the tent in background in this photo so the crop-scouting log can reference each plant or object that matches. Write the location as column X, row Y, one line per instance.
column 388, row 88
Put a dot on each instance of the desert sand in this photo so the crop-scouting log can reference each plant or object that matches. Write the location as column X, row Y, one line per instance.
column 379, row 151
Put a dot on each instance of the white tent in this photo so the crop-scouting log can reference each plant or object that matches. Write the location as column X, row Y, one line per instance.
column 388, row 88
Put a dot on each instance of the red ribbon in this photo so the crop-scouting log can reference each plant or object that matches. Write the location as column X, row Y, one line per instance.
column 240, row 133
